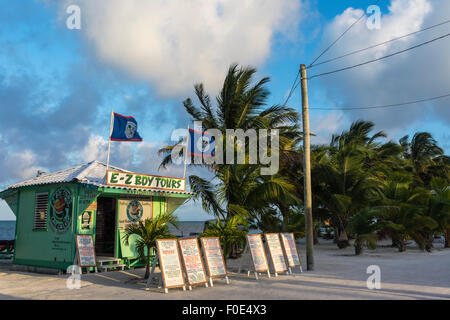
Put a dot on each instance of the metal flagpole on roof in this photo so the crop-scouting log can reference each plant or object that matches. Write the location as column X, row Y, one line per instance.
column 109, row 141
column 186, row 151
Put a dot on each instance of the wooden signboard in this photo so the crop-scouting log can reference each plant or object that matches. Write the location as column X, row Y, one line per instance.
column 170, row 263
column 86, row 250
column 290, row 249
column 214, row 257
column 130, row 179
column 276, row 252
column 192, row 260
column 257, row 252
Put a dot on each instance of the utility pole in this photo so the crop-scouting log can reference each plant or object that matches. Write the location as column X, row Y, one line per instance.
column 307, row 172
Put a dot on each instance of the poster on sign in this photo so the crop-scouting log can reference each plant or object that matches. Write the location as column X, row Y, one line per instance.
column 193, row 264
column 290, row 249
column 257, row 252
column 214, row 257
column 276, row 252
column 86, row 250
column 170, row 263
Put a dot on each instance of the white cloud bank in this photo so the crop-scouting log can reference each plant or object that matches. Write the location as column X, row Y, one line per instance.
column 174, row 44
column 416, row 74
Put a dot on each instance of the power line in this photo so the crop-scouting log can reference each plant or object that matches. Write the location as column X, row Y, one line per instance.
column 387, row 105
column 339, row 38
column 378, row 59
column 292, row 89
column 380, row 44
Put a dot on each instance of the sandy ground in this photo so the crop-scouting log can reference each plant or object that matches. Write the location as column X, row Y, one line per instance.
column 338, row 274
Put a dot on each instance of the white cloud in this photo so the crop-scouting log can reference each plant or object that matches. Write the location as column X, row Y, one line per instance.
column 174, row 44
column 323, row 126
column 417, row 74
column 17, row 166
column 96, row 149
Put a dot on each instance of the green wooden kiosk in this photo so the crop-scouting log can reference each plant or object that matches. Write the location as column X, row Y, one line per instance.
column 51, row 209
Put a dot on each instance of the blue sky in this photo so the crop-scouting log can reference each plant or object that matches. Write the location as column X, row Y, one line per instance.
column 141, row 58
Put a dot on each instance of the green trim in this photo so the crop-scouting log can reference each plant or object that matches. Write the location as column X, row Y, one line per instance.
column 117, row 239
column 109, row 191
column 6, row 193
column 17, row 221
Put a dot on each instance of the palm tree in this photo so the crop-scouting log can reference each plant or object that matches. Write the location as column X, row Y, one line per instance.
column 229, row 234
column 363, row 226
column 439, row 206
column 344, row 176
column 239, row 188
column 403, row 213
column 426, row 157
column 148, row 231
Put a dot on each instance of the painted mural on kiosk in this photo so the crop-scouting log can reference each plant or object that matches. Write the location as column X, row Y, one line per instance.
column 132, row 211
column 60, row 215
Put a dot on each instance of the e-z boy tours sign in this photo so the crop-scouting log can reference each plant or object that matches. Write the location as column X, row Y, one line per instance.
column 129, row 179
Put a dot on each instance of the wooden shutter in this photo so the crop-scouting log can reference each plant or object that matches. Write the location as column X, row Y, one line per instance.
column 40, row 211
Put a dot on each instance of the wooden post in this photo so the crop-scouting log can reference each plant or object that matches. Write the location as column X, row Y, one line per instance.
column 307, row 172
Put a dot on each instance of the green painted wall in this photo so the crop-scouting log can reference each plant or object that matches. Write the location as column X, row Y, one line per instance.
column 51, row 248
column 124, row 251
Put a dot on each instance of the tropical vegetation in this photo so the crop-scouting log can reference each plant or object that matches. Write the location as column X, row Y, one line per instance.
column 147, row 231
column 364, row 186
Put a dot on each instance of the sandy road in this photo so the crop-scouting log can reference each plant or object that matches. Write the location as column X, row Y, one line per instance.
column 338, row 275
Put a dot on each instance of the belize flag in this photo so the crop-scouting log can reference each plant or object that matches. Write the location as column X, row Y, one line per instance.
column 201, row 144
column 124, row 129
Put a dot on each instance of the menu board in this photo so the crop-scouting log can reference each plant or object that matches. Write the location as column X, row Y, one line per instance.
column 214, row 257
column 86, row 250
column 169, row 260
column 257, row 251
column 276, row 252
column 192, row 261
column 290, row 249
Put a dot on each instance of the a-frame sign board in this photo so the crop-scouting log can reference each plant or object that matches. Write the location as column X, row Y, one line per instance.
column 192, row 261
column 290, row 250
column 276, row 253
column 258, row 256
column 85, row 254
column 215, row 261
column 169, row 260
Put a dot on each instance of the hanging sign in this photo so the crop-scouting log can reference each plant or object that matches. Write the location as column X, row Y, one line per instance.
column 132, row 211
column 290, row 249
column 276, row 252
column 129, row 179
column 170, row 263
column 193, row 264
column 258, row 253
column 86, row 250
column 214, row 257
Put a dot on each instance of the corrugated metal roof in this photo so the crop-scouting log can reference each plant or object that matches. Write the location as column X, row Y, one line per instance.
column 93, row 173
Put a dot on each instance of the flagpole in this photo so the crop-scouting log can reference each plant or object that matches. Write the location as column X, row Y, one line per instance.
column 185, row 151
column 109, row 140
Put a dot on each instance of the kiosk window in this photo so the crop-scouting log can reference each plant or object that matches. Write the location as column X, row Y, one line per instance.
column 40, row 211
